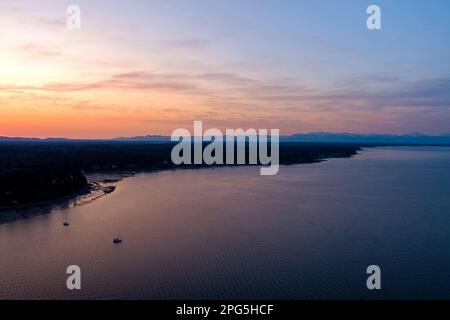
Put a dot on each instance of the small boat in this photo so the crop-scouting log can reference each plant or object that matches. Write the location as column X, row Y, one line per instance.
column 66, row 220
column 109, row 189
column 117, row 240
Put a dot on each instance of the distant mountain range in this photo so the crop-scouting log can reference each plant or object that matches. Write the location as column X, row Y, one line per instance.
column 314, row 137
column 153, row 138
column 32, row 139
column 328, row 137
column 414, row 138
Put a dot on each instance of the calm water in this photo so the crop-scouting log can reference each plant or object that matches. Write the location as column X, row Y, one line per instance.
column 309, row 232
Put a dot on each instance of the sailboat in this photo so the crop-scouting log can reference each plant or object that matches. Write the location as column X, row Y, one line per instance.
column 66, row 221
column 117, row 240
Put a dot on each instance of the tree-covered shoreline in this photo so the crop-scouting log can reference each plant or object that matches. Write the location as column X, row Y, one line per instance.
column 34, row 171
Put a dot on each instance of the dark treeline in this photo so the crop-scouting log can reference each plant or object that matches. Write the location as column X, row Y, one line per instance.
column 45, row 170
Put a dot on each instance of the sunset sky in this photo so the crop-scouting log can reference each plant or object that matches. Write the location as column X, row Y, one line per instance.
column 149, row 67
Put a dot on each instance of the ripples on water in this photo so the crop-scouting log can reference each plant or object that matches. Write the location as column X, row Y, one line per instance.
column 309, row 232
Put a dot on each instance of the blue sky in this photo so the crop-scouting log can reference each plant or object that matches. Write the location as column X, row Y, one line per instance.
column 301, row 37
column 291, row 64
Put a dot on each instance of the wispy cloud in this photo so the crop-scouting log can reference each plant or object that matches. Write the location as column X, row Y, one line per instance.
column 123, row 81
column 187, row 43
column 37, row 51
column 241, row 90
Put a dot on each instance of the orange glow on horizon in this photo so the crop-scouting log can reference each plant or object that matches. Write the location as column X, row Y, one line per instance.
column 103, row 81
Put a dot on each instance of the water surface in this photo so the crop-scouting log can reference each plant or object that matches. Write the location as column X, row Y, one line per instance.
column 308, row 233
